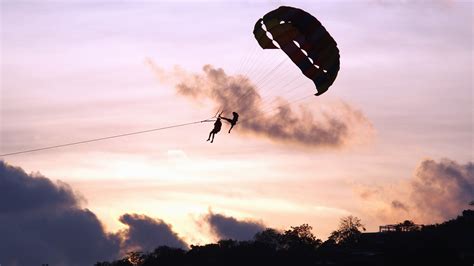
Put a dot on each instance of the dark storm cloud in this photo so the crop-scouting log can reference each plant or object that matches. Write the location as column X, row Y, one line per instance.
column 22, row 192
column 443, row 189
column 226, row 227
column 334, row 127
column 41, row 222
column 145, row 233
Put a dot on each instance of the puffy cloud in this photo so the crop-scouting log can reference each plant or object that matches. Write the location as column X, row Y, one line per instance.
column 438, row 191
column 227, row 227
column 442, row 189
column 333, row 126
column 22, row 192
column 42, row 222
column 145, row 233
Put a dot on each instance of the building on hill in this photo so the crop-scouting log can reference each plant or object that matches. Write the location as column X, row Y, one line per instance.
column 406, row 226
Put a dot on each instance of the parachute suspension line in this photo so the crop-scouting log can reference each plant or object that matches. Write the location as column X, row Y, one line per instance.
column 247, row 93
column 239, row 66
column 249, row 50
column 264, row 80
column 218, row 113
column 291, row 81
column 247, row 66
column 292, row 88
column 257, row 66
column 276, row 83
column 244, row 61
column 263, row 73
column 261, row 91
column 275, row 73
column 266, row 74
column 278, row 75
column 254, row 66
column 270, row 104
column 247, row 59
column 251, row 63
column 255, row 63
column 280, row 106
column 267, row 77
column 105, row 138
column 279, row 87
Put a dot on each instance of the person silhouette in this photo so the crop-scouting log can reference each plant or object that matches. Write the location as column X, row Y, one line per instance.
column 215, row 130
column 232, row 121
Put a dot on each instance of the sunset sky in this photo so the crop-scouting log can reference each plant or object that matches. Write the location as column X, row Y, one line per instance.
column 79, row 70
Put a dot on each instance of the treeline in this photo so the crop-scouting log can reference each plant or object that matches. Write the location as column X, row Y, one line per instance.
column 449, row 243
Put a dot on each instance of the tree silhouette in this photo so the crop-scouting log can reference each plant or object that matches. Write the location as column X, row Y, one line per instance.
column 449, row 243
column 270, row 237
column 407, row 226
column 136, row 257
column 348, row 232
column 300, row 236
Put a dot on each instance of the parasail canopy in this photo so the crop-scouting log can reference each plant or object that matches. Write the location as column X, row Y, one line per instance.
column 305, row 40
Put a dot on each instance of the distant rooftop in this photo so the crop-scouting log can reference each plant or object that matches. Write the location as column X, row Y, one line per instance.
column 402, row 227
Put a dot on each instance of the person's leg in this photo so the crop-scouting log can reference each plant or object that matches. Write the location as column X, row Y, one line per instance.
column 227, row 119
column 231, row 128
column 213, row 134
column 209, row 136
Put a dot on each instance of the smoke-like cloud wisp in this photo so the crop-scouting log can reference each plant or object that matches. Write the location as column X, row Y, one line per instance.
column 334, row 126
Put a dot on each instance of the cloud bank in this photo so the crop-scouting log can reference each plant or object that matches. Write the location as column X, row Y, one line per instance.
column 227, row 227
column 334, row 126
column 42, row 222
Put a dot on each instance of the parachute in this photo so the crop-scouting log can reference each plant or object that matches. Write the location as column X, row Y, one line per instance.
column 305, row 40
